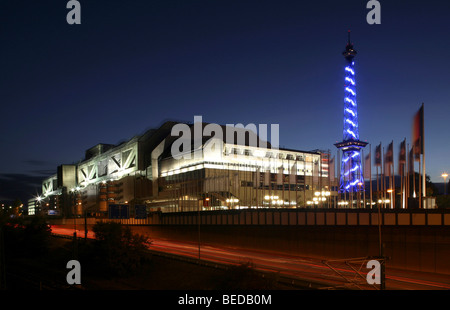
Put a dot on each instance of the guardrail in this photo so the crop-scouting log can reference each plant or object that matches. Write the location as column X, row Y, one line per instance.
column 306, row 217
column 286, row 217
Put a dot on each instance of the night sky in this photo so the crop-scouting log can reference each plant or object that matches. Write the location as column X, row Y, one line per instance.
column 131, row 65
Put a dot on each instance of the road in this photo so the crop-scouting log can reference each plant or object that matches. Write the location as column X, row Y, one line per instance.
column 326, row 274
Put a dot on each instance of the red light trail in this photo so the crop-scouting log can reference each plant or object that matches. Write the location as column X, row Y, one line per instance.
column 304, row 268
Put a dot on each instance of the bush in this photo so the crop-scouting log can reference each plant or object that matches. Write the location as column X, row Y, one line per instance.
column 443, row 201
column 26, row 238
column 118, row 250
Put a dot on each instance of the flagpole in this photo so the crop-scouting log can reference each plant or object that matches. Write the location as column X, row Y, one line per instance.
column 370, row 174
column 404, row 175
column 424, row 191
column 364, row 181
column 400, row 172
column 329, row 179
column 378, row 188
column 378, row 174
column 304, row 181
column 414, row 171
column 420, row 185
column 383, row 179
column 296, row 173
column 402, row 190
column 320, row 179
column 393, row 177
column 289, row 169
column 407, row 176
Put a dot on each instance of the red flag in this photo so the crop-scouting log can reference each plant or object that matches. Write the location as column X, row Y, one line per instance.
column 367, row 167
column 402, row 157
column 411, row 160
column 418, row 133
column 402, row 153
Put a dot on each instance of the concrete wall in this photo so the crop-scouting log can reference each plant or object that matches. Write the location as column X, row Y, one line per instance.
column 413, row 240
column 315, row 217
column 412, row 248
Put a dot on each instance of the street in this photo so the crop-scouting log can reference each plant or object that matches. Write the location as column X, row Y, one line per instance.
column 331, row 274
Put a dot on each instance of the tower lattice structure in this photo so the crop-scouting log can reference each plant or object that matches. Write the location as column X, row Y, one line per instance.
column 351, row 176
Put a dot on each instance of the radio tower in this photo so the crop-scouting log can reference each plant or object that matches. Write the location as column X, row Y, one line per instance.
column 351, row 179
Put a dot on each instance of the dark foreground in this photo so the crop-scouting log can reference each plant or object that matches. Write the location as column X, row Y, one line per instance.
column 156, row 273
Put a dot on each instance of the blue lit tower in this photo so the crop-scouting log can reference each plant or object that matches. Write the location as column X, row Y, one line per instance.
column 351, row 179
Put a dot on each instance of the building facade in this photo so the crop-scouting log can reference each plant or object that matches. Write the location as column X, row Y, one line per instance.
column 217, row 173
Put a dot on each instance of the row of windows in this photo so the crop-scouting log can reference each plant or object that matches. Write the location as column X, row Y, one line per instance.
column 286, row 187
column 268, row 154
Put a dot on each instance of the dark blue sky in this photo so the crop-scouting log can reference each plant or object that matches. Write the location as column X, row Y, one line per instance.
column 131, row 65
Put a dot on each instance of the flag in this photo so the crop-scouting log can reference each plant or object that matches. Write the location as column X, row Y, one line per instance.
column 378, row 155
column 418, row 133
column 411, row 160
column 388, row 159
column 402, row 156
column 332, row 169
column 367, row 168
column 402, row 153
column 390, row 153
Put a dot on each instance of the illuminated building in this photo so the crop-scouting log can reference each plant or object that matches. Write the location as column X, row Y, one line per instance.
column 220, row 174
column 351, row 176
column 232, row 175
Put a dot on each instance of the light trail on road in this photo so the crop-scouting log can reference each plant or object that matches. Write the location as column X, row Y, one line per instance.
column 303, row 268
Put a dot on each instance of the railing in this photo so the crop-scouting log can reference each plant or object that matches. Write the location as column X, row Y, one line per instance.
column 317, row 217
column 288, row 217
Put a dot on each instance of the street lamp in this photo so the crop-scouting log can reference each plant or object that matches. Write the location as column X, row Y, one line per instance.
column 75, row 205
column 38, row 205
column 390, row 191
column 445, row 175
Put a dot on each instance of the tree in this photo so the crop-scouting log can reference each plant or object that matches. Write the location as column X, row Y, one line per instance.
column 118, row 248
column 37, row 235
column 12, row 210
column 431, row 189
column 26, row 237
column 17, row 208
column 443, row 201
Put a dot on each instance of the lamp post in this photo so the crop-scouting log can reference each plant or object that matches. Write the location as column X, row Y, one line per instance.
column 390, row 195
column 445, row 175
column 75, row 192
column 37, row 207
